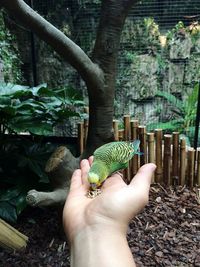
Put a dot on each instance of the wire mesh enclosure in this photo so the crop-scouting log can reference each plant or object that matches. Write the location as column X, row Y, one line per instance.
column 177, row 164
column 158, row 63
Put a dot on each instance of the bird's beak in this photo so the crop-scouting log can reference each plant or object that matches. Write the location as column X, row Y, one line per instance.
column 93, row 186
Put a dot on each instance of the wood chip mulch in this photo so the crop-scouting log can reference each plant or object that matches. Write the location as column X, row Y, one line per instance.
column 166, row 233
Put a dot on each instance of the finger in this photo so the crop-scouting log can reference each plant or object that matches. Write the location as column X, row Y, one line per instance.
column 91, row 158
column 85, row 166
column 142, row 179
column 76, row 181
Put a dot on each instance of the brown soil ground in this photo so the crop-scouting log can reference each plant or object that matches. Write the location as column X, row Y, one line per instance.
column 166, row 233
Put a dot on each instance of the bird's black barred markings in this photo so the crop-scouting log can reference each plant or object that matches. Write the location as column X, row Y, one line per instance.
column 120, row 152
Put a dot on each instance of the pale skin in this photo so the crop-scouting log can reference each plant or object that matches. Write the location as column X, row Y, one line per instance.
column 96, row 228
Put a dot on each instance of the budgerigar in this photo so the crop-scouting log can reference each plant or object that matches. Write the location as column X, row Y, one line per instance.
column 110, row 158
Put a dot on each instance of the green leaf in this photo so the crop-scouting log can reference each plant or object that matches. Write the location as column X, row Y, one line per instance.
column 192, row 98
column 53, row 102
column 19, row 202
column 9, row 110
column 8, row 212
column 79, row 103
column 191, row 103
column 36, row 90
column 10, row 89
column 37, row 109
column 171, row 99
column 173, row 125
column 64, row 114
column 9, row 194
column 44, row 91
column 32, row 126
column 41, row 129
column 4, row 101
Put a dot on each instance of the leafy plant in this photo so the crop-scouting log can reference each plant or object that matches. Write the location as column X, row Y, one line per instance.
column 185, row 113
column 193, row 30
column 37, row 109
column 34, row 110
column 177, row 28
column 22, row 163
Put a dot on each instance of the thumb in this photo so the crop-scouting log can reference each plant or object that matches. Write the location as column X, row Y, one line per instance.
column 142, row 180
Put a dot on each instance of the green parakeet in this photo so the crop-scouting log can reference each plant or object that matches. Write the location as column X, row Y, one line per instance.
column 110, row 158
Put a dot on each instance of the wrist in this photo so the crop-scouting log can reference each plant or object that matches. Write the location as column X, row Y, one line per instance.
column 96, row 231
column 101, row 246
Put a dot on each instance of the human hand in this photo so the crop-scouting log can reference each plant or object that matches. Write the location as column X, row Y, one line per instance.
column 114, row 207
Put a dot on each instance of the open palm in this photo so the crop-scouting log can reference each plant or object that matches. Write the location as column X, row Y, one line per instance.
column 116, row 205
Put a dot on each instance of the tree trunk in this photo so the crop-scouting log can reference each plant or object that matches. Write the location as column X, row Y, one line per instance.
column 101, row 107
column 99, row 73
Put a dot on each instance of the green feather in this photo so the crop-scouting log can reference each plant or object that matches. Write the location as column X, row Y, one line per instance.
column 110, row 158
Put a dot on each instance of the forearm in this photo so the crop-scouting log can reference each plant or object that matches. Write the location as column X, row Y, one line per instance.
column 107, row 247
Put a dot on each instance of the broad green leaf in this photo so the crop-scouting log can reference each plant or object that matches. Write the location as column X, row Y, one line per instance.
column 35, row 90
column 41, row 129
column 8, row 212
column 44, row 91
column 10, row 89
column 9, row 110
column 9, row 194
column 4, row 101
column 19, row 202
column 171, row 99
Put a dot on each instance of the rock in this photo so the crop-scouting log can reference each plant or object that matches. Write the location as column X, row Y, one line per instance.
column 173, row 78
column 158, row 199
column 159, row 253
column 180, row 45
column 192, row 70
column 144, row 85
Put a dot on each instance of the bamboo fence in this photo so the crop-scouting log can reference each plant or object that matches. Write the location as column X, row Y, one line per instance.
column 176, row 163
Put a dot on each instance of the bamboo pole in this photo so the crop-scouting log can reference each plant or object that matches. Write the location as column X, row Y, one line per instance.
column 167, row 159
column 116, row 129
column 11, row 238
column 175, row 158
column 127, row 127
column 182, row 162
column 158, row 144
column 121, row 134
column 134, row 136
column 151, row 150
column 134, row 129
column 198, row 167
column 127, row 138
column 81, row 136
column 121, row 138
column 143, row 144
column 190, row 167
